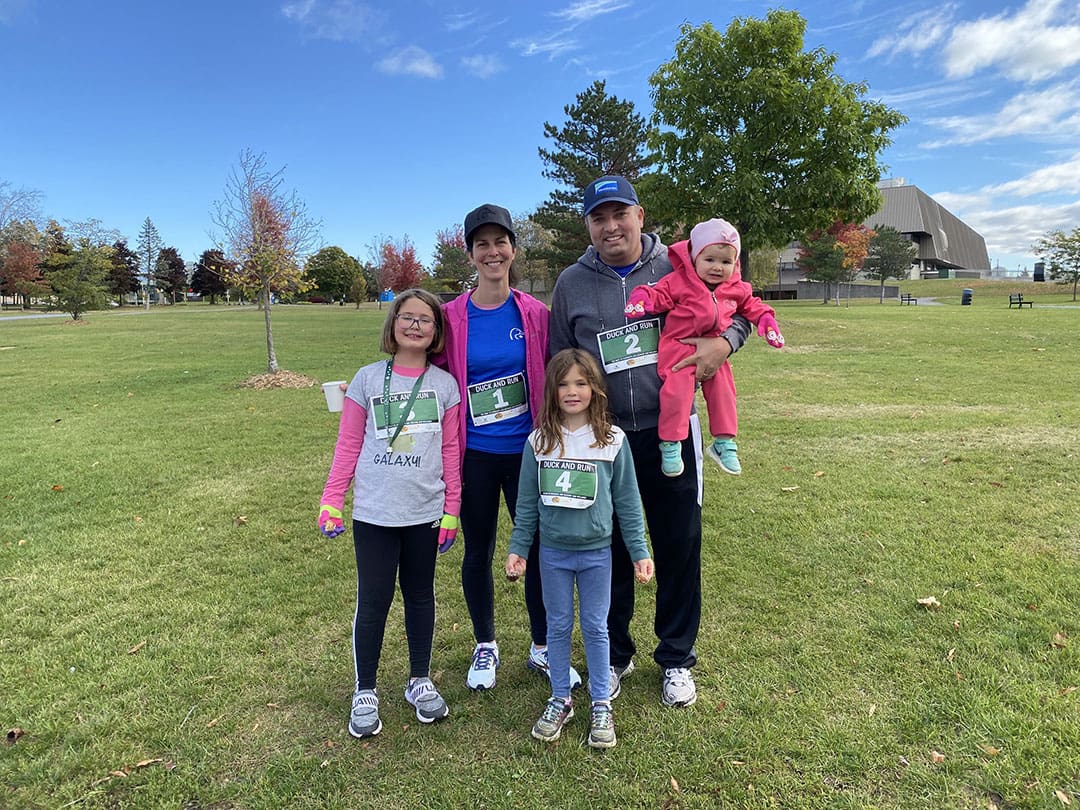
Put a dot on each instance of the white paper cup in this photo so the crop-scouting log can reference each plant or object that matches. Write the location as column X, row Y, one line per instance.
column 335, row 397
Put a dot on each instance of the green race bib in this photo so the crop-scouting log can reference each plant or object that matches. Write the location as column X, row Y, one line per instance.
column 423, row 418
column 630, row 346
column 493, row 400
column 566, row 483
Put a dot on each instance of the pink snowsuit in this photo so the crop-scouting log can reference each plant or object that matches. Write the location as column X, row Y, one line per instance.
column 693, row 310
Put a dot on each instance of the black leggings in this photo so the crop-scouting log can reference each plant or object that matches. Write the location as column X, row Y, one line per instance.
column 382, row 552
column 484, row 477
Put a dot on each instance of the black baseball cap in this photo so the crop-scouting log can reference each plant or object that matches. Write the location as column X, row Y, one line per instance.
column 488, row 214
column 610, row 188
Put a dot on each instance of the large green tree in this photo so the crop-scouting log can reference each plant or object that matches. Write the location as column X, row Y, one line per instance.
column 79, row 275
column 822, row 259
column 601, row 135
column 332, row 271
column 890, row 256
column 1062, row 253
column 750, row 126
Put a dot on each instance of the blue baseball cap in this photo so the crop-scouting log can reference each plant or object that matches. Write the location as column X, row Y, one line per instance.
column 610, row 188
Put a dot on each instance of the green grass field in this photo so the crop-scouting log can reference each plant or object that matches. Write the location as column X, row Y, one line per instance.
column 176, row 632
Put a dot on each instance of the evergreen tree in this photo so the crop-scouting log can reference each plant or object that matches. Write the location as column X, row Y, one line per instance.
column 171, row 274
column 149, row 245
column 208, row 278
column 452, row 271
column 601, row 135
column 890, row 256
column 123, row 275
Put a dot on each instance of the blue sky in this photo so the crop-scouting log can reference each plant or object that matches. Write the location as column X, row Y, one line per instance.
column 395, row 119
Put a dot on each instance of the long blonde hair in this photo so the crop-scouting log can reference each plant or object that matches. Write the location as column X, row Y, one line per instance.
column 549, row 426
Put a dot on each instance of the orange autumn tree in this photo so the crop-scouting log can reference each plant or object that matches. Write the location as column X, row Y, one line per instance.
column 266, row 233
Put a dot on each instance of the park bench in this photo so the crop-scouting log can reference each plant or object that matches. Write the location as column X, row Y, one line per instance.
column 1017, row 300
column 908, row 298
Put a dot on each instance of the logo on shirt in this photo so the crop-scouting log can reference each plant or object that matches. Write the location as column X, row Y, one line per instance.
column 517, row 334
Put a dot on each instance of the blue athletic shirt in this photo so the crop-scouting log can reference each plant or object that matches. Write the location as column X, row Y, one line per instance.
column 496, row 348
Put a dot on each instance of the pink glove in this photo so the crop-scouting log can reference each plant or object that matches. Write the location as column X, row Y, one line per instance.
column 448, row 527
column 638, row 303
column 769, row 329
column 330, row 521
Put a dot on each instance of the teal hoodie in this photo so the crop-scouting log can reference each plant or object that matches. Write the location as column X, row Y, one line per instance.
column 572, row 497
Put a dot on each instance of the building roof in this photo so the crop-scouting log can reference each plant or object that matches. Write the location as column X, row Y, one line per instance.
column 942, row 238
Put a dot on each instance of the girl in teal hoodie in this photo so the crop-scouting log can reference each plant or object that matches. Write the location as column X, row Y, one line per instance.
column 576, row 471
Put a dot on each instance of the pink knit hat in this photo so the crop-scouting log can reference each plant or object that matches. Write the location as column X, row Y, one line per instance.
column 713, row 232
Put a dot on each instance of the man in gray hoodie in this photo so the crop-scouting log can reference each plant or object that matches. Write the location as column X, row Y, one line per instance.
column 587, row 312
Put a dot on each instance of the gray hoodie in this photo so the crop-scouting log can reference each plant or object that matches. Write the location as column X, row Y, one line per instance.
column 589, row 298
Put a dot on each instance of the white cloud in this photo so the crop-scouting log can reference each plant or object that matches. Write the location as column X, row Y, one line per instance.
column 1060, row 177
column 459, row 22
column 336, row 20
column 554, row 45
column 1035, row 43
column 411, row 61
column 1053, row 113
column 483, row 67
column 918, row 33
column 585, row 10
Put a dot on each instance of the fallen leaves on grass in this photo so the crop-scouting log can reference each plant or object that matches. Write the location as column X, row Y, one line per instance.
column 1063, row 797
column 675, row 785
column 13, row 735
column 929, row 602
column 125, row 772
column 937, row 757
column 240, row 520
column 280, row 379
column 137, row 647
column 989, row 750
column 1068, row 690
column 1059, row 641
column 789, row 489
column 57, row 488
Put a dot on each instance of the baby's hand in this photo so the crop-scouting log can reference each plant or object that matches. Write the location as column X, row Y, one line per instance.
column 643, row 570
column 769, row 329
column 515, row 566
column 637, row 304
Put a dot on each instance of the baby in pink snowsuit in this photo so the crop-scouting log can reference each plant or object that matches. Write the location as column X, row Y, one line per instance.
column 700, row 297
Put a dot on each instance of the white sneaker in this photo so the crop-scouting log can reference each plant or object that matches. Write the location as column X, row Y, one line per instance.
column 616, row 678
column 427, row 701
column 485, row 661
column 679, row 688
column 538, row 662
column 364, row 718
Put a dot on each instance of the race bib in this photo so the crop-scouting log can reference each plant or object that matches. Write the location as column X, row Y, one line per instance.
column 423, row 418
column 566, row 483
column 493, row 400
column 630, row 346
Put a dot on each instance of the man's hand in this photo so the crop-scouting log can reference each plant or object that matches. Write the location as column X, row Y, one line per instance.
column 448, row 527
column 330, row 523
column 710, row 355
column 515, row 566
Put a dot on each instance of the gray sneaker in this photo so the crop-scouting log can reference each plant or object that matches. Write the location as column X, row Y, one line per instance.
column 601, row 726
column 364, row 718
column 538, row 662
column 617, row 674
column 679, row 688
column 549, row 726
column 430, row 706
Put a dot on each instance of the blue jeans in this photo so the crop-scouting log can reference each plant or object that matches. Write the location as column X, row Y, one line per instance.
column 591, row 571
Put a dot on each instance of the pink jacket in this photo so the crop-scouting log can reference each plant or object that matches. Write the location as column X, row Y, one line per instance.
column 693, row 310
column 454, row 358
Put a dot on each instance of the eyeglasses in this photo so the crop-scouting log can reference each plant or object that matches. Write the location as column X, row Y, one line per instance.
column 423, row 323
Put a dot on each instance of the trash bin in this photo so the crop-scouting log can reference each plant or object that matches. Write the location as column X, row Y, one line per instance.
column 965, row 298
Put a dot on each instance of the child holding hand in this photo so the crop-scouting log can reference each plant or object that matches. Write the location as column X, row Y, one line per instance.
column 576, row 471
column 398, row 445
column 700, row 297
